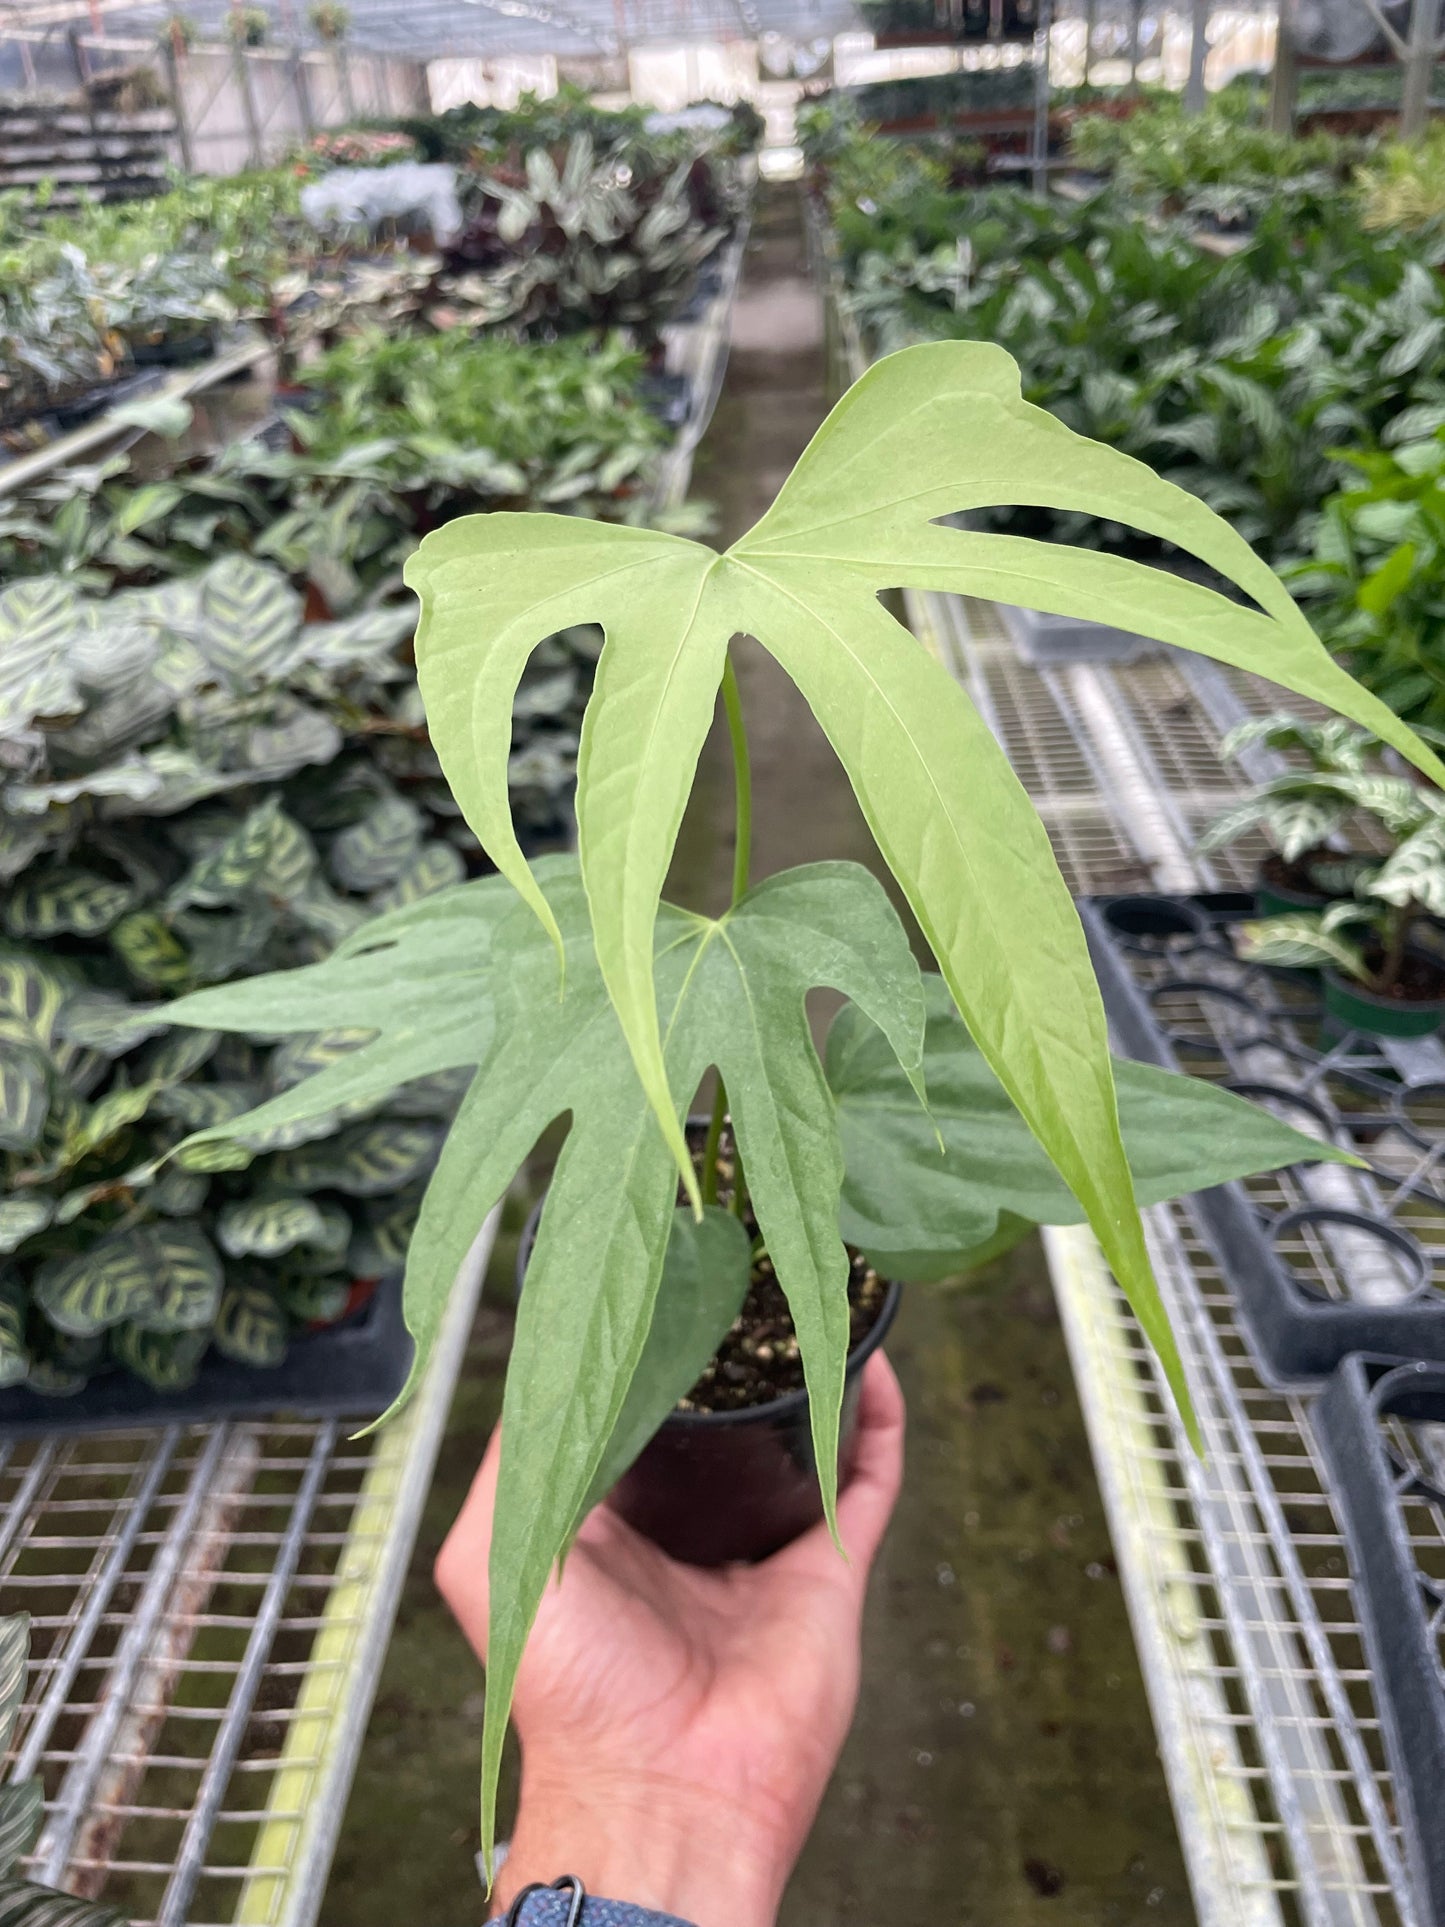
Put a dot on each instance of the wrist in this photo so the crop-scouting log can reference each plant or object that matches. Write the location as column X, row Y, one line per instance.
column 670, row 1849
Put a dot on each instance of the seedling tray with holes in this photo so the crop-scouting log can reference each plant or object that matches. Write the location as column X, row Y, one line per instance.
column 1382, row 1428
column 353, row 1369
column 1368, row 1279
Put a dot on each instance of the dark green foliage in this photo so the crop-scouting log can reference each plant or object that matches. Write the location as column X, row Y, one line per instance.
column 1374, row 582
column 1236, row 377
column 197, row 785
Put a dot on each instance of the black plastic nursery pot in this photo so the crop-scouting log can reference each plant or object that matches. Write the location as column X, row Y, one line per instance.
column 728, row 1488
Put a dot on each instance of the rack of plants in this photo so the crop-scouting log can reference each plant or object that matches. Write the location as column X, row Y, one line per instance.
column 354, row 1369
column 1178, row 996
column 1381, row 1424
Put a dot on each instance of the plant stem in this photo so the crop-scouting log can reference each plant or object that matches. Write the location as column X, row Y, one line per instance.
column 742, row 863
column 1399, row 931
column 742, row 782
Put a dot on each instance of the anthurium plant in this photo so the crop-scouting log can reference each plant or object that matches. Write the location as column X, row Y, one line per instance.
column 576, row 992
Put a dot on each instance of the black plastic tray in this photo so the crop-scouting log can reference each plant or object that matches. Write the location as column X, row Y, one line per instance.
column 354, row 1369
column 1146, row 949
column 1375, row 1475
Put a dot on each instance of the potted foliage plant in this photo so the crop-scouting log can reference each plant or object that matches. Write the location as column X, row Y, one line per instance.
column 330, row 20
column 1303, row 811
column 577, row 992
column 1352, row 913
column 248, row 26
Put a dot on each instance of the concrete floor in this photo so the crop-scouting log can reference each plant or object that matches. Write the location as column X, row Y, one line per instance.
column 1002, row 1768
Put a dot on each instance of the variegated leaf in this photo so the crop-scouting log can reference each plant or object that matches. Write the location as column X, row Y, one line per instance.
column 251, row 1327
column 436, row 866
column 167, row 1360
column 1299, row 942
column 36, row 620
column 267, row 1227
column 22, row 1808
column 367, row 1161
column 376, row 851
column 14, row 1351
column 187, row 1273
column 231, row 867
column 1415, row 872
column 24, row 1095
column 61, row 902
column 115, row 1112
column 176, row 1056
column 1402, row 806
column 24, row 1904
column 291, row 861
column 295, row 735
column 247, row 621
column 20, row 1218
column 32, row 994
column 105, row 1286
column 151, row 951
column 1304, row 823
column 14, row 1654
column 177, row 1193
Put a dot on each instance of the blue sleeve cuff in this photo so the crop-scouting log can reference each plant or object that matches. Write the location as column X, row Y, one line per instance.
column 550, row 1908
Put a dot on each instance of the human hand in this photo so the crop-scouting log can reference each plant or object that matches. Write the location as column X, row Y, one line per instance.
column 678, row 1725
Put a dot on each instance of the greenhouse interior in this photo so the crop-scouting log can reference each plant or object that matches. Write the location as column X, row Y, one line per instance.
column 522, row 524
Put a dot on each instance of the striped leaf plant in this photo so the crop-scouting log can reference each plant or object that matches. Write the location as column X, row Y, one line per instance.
column 195, row 784
column 951, row 1110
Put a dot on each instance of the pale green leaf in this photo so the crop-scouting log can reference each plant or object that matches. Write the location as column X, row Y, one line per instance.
column 1181, row 1134
column 927, row 433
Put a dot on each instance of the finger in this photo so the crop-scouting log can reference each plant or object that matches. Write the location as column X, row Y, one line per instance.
column 461, row 1565
column 866, row 1502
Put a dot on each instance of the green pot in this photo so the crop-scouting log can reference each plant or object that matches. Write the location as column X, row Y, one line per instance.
column 1269, row 902
column 1355, row 1008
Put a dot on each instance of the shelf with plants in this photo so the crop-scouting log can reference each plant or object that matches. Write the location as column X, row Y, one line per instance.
column 552, row 232
column 1241, row 378
column 269, row 1490
column 244, row 778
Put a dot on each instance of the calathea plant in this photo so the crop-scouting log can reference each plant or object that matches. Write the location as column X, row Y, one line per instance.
column 581, row 994
column 195, row 784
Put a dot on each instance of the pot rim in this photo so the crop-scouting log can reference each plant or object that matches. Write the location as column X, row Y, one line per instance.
column 788, row 1402
column 1372, row 1000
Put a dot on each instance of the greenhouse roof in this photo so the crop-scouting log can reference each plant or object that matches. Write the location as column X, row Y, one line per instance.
column 485, row 28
